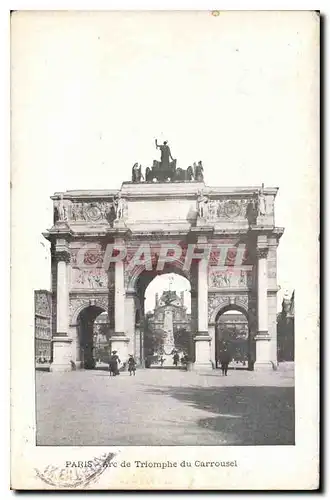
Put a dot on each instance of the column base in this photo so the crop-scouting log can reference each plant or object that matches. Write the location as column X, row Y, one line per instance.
column 202, row 366
column 62, row 360
column 60, row 367
column 202, row 351
column 118, row 342
column 261, row 366
column 263, row 356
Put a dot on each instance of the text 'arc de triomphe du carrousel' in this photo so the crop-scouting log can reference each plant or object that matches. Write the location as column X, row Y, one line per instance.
column 108, row 245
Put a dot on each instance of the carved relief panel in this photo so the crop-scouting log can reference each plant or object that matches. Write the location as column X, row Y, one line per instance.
column 99, row 211
column 271, row 263
column 230, row 278
column 89, row 278
column 228, row 209
column 87, row 257
column 43, row 303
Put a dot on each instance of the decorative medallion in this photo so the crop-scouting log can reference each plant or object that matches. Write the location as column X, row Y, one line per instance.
column 93, row 212
column 232, row 209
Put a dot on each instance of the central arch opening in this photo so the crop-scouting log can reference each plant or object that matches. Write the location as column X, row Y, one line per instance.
column 166, row 302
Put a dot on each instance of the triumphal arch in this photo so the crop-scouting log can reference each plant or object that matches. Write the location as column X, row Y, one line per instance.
column 108, row 245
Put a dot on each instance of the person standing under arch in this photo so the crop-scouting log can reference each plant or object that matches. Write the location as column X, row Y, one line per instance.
column 225, row 359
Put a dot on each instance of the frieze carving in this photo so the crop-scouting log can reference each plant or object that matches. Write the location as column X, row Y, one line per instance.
column 230, row 278
column 77, row 304
column 88, row 257
column 227, row 209
column 89, row 278
column 94, row 212
column 239, row 208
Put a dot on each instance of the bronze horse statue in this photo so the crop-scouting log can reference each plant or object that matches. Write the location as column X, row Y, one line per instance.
column 159, row 173
column 184, row 175
column 168, row 174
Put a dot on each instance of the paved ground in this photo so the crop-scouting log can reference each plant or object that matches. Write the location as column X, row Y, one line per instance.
column 165, row 407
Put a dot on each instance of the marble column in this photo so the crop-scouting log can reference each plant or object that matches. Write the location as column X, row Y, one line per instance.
column 119, row 340
column 202, row 296
column 119, row 298
column 61, row 340
column 137, row 345
column 212, row 335
column 130, row 321
column 263, row 353
column 202, row 338
column 193, row 322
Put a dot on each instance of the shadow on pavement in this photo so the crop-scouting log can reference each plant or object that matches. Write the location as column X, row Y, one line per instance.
column 251, row 415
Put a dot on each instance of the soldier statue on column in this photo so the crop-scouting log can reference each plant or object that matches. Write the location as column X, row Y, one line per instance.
column 202, row 205
column 261, row 201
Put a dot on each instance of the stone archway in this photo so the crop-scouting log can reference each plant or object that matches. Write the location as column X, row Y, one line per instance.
column 142, row 280
column 85, row 323
column 239, row 305
column 233, row 331
column 79, row 303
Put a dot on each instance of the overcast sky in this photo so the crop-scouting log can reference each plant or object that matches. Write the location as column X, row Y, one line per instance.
column 91, row 92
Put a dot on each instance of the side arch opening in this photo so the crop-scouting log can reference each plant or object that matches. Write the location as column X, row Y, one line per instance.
column 232, row 333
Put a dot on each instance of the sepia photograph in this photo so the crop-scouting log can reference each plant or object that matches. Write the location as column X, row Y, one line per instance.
column 160, row 228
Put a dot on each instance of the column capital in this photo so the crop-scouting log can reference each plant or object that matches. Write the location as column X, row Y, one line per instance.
column 61, row 337
column 201, row 336
column 62, row 256
column 262, row 252
column 119, row 336
column 262, row 335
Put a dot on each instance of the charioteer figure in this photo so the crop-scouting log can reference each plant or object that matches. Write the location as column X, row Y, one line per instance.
column 165, row 155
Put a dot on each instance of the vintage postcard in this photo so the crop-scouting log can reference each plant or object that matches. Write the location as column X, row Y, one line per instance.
column 165, row 250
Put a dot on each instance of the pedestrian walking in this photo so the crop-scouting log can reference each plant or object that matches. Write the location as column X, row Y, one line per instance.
column 225, row 360
column 131, row 365
column 113, row 364
column 176, row 359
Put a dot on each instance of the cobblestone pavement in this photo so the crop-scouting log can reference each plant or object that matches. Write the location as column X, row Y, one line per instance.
column 165, row 407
